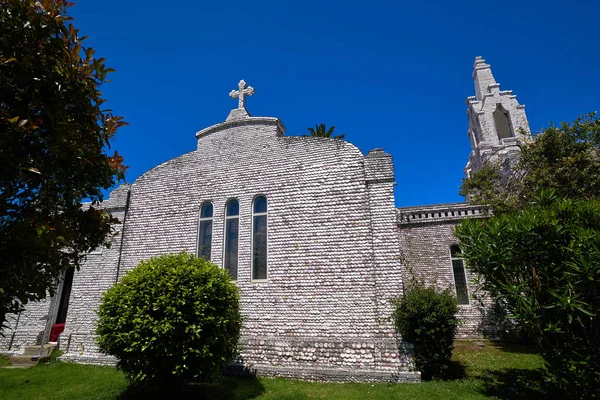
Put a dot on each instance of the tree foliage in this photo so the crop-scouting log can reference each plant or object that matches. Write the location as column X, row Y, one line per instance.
column 320, row 130
column 427, row 319
column 54, row 134
column 539, row 254
column 543, row 263
column 170, row 320
column 565, row 158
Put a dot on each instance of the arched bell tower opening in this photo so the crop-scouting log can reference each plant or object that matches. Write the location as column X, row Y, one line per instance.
column 502, row 122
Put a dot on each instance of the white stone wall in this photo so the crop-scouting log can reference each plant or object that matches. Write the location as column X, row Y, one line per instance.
column 96, row 276
column 426, row 234
column 25, row 329
column 336, row 247
column 332, row 249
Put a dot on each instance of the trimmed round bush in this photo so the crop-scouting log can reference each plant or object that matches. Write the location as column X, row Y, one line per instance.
column 171, row 320
column 427, row 319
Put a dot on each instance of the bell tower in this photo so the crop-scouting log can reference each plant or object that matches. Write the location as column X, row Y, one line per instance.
column 497, row 122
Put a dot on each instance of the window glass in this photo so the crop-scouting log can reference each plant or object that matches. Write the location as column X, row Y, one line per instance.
column 204, row 242
column 260, row 204
column 259, row 238
column 460, row 278
column 230, row 261
column 455, row 252
column 233, row 208
column 206, row 211
column 205, row 231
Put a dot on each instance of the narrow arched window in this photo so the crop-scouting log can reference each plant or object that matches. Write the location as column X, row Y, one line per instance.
column 232, row 222
column 460, row 277
column 259, row 238
column 503, row 128
column 205, row 231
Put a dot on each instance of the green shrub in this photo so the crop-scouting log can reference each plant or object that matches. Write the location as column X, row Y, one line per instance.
column 427, row 319
column 543, row 263
column 170, row 320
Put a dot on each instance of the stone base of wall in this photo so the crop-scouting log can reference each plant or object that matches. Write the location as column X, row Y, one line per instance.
column 323, row 374
column 342, row 360
column 348, row 360
column 99, row 359
column 15, row 345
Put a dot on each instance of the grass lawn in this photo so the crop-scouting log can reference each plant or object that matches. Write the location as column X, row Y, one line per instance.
column 4, row 360
column 494, row 371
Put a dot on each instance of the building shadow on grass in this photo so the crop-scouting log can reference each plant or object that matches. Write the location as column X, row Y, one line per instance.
column 511, row 347
column 513, row 383
column 230, row 388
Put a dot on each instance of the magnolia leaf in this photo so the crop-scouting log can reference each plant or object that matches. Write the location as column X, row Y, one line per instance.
column 33, row 169
column 37, row 256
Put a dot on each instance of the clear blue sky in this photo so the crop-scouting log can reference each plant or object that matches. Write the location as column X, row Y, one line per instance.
column 389, row 74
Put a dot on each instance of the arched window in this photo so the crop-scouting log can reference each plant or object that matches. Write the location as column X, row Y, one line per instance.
column 205, row 231
column 502, row 122
column 259, row 238
column 232, row 222
column 460, row 277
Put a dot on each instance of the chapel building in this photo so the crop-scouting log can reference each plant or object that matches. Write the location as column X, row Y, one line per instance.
column 309, row 231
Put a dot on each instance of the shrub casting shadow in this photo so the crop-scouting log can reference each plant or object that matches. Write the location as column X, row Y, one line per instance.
column 229, row 388
column 456, row 370
column 514, row 383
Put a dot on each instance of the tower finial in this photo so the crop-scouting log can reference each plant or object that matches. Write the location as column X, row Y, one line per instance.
column 242, row 93
column 482, row 74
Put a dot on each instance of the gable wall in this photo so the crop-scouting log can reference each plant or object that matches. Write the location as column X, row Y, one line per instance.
column 318, row 315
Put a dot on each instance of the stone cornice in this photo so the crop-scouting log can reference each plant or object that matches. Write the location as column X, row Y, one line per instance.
column 439, row 212
column 241, row 122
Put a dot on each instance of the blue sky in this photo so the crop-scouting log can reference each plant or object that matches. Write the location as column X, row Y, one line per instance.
column 389, row 74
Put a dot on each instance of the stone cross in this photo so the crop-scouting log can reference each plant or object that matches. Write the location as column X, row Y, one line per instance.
column 242, row 93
